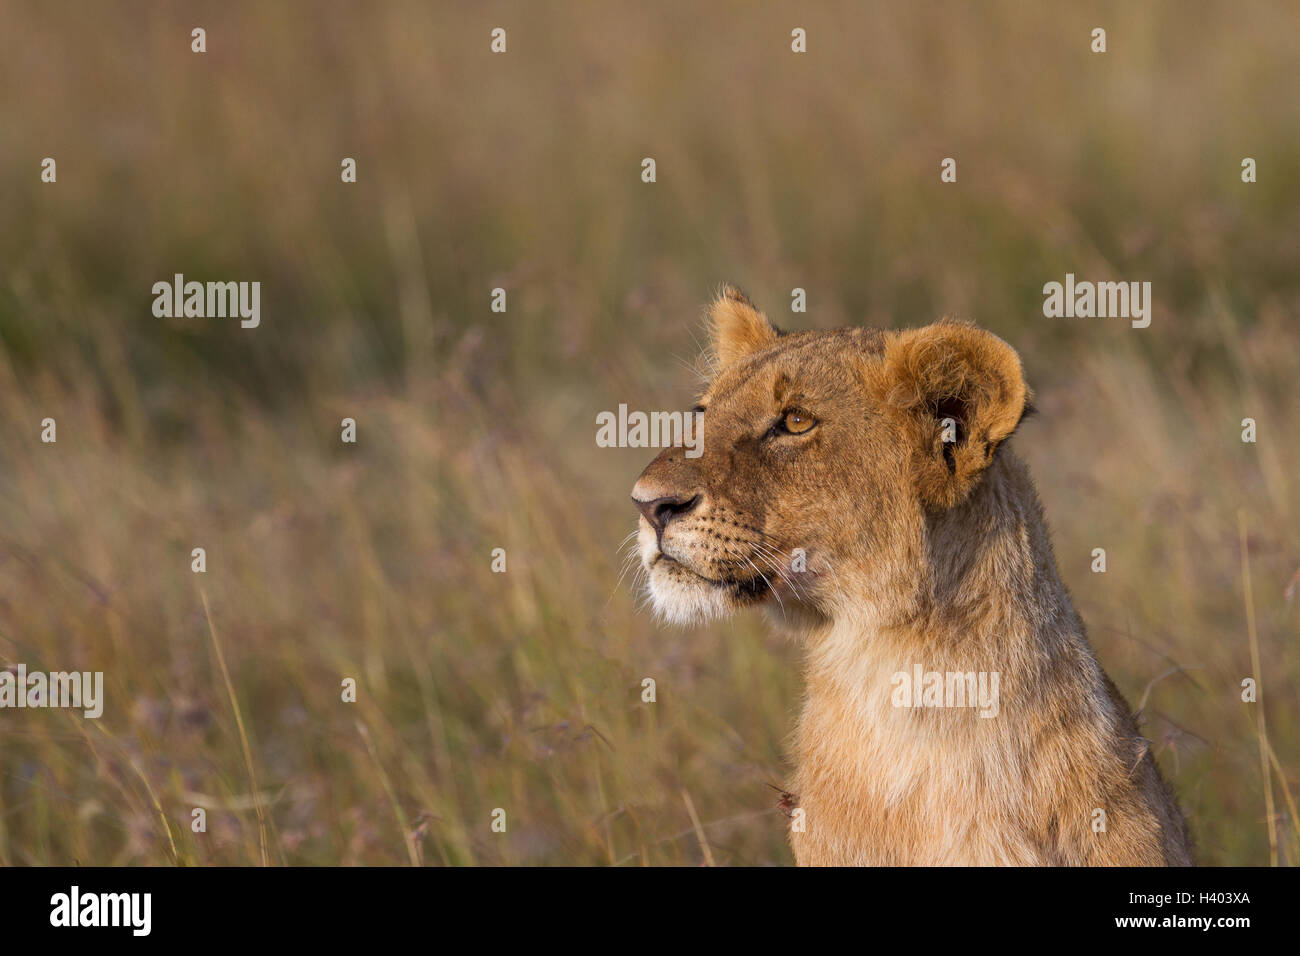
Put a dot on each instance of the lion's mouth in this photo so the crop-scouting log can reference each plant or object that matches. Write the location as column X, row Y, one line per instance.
column 747, row 588
column 753, row 588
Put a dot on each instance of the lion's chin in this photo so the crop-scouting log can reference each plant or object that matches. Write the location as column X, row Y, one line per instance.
column 682, row 597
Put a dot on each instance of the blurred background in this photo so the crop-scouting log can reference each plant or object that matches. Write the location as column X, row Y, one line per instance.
column 476, row 430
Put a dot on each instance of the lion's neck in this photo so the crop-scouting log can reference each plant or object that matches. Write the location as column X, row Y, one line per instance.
column 893, row 754
column 987, row 587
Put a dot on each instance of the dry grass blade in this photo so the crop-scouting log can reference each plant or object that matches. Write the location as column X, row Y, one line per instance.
column 243, row 735
column 1261, row 728
column 699, row 830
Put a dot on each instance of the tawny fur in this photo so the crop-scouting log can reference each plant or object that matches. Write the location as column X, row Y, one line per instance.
column 918, row 551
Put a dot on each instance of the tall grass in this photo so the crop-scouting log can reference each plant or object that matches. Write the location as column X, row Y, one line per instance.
column 522, row 690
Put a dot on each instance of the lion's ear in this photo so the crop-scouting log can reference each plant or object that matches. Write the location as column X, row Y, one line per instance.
column 961, row 392
column 736, row 328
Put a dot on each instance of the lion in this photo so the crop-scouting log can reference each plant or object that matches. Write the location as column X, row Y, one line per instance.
column 858, row 483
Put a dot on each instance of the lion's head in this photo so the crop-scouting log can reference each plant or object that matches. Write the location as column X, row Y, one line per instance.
column 826, row 457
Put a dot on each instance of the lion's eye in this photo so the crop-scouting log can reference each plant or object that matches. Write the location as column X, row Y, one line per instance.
column 797, row 422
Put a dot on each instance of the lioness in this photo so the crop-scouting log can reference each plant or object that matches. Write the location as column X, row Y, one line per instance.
column 858, row 482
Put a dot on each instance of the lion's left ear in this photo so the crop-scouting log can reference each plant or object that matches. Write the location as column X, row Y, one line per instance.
column 736, row 328
column 961, row 392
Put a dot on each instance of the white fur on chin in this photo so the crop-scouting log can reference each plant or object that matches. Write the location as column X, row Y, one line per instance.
column 679, row 597
column 686, row 601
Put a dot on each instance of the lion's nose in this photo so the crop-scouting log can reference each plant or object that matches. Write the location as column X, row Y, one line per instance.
column 660, row 511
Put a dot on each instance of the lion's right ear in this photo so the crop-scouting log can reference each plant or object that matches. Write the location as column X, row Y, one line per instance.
column 736, row 328
column 961, row 392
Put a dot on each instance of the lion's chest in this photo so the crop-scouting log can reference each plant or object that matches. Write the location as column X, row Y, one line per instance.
column 883, row 785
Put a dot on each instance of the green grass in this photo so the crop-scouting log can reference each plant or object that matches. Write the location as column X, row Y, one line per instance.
column 476, row 430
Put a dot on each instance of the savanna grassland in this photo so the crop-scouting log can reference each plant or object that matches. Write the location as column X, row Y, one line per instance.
column 476, row 430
